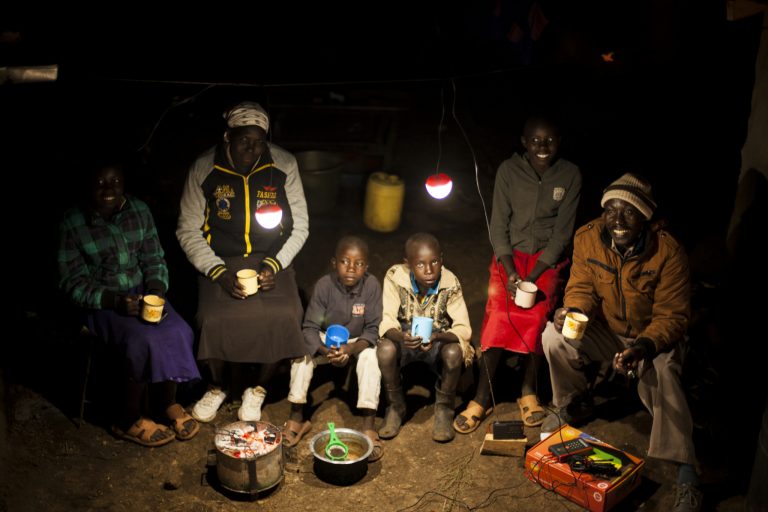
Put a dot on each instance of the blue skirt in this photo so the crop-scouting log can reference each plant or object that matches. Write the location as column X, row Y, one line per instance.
column 152, row 352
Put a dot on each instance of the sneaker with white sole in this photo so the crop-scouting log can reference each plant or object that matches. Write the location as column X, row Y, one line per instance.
column 206, row 408
column 253, row 398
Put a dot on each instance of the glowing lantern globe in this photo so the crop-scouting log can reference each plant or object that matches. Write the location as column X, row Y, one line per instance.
column 439, row 185
column 269, row 215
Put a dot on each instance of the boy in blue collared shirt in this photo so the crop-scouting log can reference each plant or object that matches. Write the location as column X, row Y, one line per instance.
column 421, row 286
column 348, row 295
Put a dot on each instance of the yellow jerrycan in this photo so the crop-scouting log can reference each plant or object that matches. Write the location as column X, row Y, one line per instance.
column 383, row 202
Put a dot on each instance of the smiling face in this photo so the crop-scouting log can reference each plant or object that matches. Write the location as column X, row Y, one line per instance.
column 350, row 263
column 624, row 223
column 425, row 261
column 541, row 140
column 246, row 145
column 107, row 191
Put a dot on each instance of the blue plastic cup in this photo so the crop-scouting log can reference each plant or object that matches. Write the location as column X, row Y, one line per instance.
column 336, row 335
column 422, row 326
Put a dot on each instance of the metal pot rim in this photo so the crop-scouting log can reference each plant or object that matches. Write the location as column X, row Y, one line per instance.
column 256, row 425
column 321, row 456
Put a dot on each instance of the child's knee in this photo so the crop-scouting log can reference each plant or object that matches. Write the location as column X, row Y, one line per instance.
column 386, row 352
column 451, row 355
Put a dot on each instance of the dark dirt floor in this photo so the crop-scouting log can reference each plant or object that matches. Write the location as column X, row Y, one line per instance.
column 48, row 463
column 53, row 465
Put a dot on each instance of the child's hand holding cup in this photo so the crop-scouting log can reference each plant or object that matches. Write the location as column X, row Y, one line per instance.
column 335, row 336
column 422, row 326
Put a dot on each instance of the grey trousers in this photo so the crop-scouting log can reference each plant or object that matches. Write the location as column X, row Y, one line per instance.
column 659, row 385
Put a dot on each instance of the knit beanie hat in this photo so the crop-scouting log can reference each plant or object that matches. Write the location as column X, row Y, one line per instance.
column 634, row 190
column 247, row 113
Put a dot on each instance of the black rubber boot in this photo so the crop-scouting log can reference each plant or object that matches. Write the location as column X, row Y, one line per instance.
column 442, row 430
column 395, row 413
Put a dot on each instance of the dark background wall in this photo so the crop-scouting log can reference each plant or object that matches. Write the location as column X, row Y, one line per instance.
column 673, row 104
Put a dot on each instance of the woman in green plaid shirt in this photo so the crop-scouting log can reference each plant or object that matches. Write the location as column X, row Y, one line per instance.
column 109, row 255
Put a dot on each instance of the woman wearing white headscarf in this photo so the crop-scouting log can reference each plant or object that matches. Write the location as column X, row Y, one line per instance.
column 218, row 232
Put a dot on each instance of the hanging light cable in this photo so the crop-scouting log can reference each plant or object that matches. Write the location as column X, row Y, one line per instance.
column 268, row 215
column 476, row 168
column 439, row 185
column 485, row 216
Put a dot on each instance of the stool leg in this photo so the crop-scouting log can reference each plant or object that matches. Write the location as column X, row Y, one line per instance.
column 85, row 381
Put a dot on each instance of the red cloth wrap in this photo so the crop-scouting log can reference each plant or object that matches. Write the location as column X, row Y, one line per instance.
column 510, row 327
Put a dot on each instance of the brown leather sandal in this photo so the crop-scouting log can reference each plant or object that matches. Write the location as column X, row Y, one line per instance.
column 146, row 433
column 468, row 421
column 529, row 405
column 378, row 448
column 183, row 425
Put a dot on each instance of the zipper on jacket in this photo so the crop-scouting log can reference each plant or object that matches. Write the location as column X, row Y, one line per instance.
column 628, row 330
column 622, row 300
column 535, row 209
column 247, row 231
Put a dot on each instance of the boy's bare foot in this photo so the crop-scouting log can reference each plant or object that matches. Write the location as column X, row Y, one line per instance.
column 293, row 431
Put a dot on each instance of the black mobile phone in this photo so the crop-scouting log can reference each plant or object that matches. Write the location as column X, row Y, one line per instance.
column 562, row 451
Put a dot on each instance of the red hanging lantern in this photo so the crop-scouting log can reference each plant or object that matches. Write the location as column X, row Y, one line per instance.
column 269, row 215
column 439, row 185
